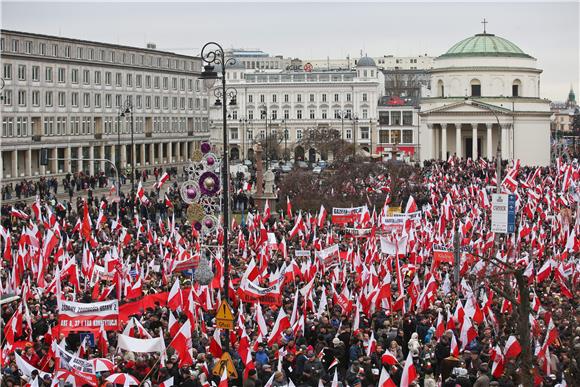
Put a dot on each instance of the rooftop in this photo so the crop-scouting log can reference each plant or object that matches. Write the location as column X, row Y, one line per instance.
column 485, row 45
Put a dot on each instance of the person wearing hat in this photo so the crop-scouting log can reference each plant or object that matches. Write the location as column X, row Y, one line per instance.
column 482, row 378
column 252, row 379
column 313, row 369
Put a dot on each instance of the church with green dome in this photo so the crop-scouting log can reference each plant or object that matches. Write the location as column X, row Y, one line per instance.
column 485, row 98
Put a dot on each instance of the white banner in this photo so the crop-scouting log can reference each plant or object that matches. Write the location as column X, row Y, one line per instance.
column 302, row 253
column 68, row 361
column 77, row 316
column 129, row 343
column 398, row 246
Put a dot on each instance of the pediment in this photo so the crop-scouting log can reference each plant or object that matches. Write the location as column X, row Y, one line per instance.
column 468, row 107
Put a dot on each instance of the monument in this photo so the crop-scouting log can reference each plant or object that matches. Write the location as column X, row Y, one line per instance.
column 264, row 184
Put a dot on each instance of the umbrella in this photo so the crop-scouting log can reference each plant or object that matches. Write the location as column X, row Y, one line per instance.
column 124, row 379
column 102, row 365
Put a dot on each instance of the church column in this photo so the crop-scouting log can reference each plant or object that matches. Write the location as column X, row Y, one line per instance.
column 504, row 143
column 474, row 142
column 489, row 142
column 433, row 140
column 102, row 155
column 160, row 153
column 114, row 156
column 123, row 156
column 458, row 140
column 178, row 152
column 444, row 142
column 186, row 151
column 53, row 154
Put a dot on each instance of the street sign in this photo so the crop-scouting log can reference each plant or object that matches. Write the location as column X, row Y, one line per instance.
column 224, row 317
column 503, row 213
column 227, row 363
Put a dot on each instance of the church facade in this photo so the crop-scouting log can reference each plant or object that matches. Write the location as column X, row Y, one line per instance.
column 484, row 98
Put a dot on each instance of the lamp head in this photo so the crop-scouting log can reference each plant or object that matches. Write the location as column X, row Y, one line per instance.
column 218, row 102
column 233, row 101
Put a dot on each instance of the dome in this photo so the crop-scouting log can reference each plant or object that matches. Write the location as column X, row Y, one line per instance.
column 485, row 45
column 366, row 61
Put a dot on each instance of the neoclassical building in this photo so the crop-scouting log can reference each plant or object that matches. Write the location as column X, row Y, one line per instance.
column 485, row 90
column 67, row 95
column 293, row 102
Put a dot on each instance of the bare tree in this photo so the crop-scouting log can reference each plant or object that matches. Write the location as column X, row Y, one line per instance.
column 327, row 141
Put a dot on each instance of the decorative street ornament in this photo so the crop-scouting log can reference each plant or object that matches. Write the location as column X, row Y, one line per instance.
column 202, row 191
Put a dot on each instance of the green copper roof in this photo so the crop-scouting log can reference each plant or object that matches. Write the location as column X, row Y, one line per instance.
column 485, row 45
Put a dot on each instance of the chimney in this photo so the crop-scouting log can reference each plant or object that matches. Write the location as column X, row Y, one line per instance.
column 151, row 46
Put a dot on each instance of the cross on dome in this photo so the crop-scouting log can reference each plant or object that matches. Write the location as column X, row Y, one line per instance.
column 484, row 22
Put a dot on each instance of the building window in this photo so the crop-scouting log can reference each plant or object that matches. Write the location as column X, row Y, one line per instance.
column 74, row 99
column 7, row 71
column 311, row 98
column 97, row 100
column 21, row 98
column 97, row 77
column 36, row 98
column 165, row 102
column 147, row 102
column 274, row 98
column 174, row 83
column 7, row 97
column 365, row 114
column 364, row 97
column 286, row 98
column 107, row 78
column 48, row 126
column 129, row 80
column 336, row 99
column 299, row 114
column 383, row 137
column 475, row 88
column 364, row 133
column 324, row 115
column 516, row 86
column 395, row 136
column 249, row 134
column 21, row 72
column 349, row 134
column 74, row 76
column 118, row 79
column 79, row 53
column 157, row 102
column 61, row 74
column 274, row 115
column 262, row 98
column 299, row 98
column 250, row 114
column 15, row 45
column 250, row 98
column 337, row 114
column 299, row 134
column 348, row 97
column 407, row 136
column 138, row 80
column 87, row 100
column 165, row 83
column 312, row 114
column 61, row 99
column 48, row 99
column 323, row 97
column 407, row 118
column 48, row 74
column 61, row 126
column 233, row 133
column 147, row 81
column 86, row 77
column 36, row 73
column 22, row 126
column 108, row 100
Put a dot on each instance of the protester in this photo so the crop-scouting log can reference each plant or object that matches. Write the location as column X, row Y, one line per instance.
column 317, row 301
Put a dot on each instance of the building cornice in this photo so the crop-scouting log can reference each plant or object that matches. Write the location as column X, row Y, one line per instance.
column 120, row 66
column 94, row 43
column 502, row 69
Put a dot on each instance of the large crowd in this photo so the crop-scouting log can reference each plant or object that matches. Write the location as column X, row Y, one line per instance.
column 367, row 303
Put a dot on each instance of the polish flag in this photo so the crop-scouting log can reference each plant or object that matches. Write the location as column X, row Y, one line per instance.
column 468, row 333
column 18, row 214
column 297, row 226
column 162, row 180
column 372, row 348
column 385, row 379
column 215, row 344
column 545, row 271
column 103, row 341
column 175, row 298
column 288, row 207
column 182, row 343
column 512, row 347
column 411, row 205
column 224, row 378
column 409, row 373
column 388, row 358
column 321, row 216
column 282, row 323
column 173, row 324
column 454, row 346
column 440, row 327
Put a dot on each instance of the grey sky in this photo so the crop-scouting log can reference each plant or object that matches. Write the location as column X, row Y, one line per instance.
column 547, row 31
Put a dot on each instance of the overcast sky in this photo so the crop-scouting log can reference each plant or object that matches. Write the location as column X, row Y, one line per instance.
column 547, row 31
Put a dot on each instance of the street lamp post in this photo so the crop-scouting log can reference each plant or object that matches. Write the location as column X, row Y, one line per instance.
column 118, row 149
column 354, row 119
column 213, row 53
column 285, row 139
column 129, row 110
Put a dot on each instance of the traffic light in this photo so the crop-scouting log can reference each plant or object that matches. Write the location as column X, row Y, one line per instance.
column 44, row 156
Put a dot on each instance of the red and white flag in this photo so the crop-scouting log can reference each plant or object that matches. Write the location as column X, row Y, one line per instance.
column 321, row 216
column 167, row 383
column 409, row 373
column 162, row 180
column 512, row 347
column 385, row 379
